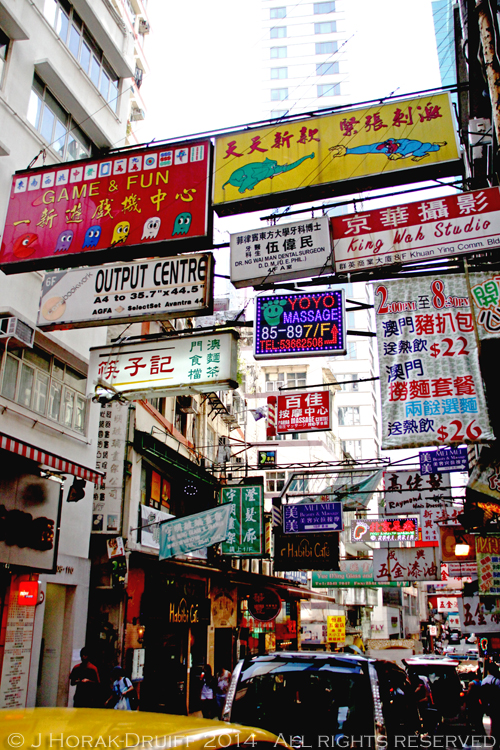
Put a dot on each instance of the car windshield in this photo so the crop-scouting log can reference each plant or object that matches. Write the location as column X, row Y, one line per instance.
column 290, row 698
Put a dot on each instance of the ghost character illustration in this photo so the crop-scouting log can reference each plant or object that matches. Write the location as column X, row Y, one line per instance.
column 26, row 245
column 182, row 223
column 64, row 241
column 120, row 232
column 151, row 228
column 92, row 236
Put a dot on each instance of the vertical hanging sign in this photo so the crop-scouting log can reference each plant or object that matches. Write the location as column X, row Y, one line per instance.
column 246, row 521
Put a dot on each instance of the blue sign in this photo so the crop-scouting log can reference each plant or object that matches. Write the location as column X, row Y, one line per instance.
column 443, row 461
column 299, row 325
column 313, row 517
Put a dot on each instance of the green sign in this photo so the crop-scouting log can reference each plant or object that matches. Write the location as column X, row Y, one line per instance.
column 357, row 575
column 245, row 536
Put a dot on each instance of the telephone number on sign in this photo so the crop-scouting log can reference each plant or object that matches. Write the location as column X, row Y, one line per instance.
column 301, row 343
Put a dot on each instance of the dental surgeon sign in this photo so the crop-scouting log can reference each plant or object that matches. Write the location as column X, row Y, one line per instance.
column 299, row 325
column 127, row 206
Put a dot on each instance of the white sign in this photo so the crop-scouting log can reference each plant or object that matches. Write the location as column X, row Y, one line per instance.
column 146, row 290
column 429, row 495
column 280, row 252
column 172, row 366
column 110, row 457
column 447, row 604
column 431, row 385
column 150, row 526
column 17, row 654
column 421, row 231
column 405, row 565
column 478, row 617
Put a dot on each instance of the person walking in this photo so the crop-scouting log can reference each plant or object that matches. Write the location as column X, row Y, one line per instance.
column 223, row 680
column 208, row 707
column 123, row 692
column 86, row 678
column 490, row 699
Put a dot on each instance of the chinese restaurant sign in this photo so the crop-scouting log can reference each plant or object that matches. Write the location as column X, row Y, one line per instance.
column 476, row 616
column 148, row 290
column 110, row 457
column 352, row 573
column 246, row 521
column 432, row 391
column 384, row 530
column 421, row 231
column 281, row 252
column 488, row 565
column 430, row 496
column 182, row 535
column 335, row 628
column 312, row 517
column 405, row 565
column 306, row 551
column 124, row 206
column 304, row 412
column 172, row 366
column 399, row 141
column 444, row 460
column 299, row 325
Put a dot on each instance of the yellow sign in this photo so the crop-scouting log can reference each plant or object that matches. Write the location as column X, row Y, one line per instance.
column 306, row 154
column 335, row 629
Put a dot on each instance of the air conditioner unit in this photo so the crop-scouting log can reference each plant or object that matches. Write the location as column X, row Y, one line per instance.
column 137, row 114
column 143, row 26
column 17, row 331
column 188, row 404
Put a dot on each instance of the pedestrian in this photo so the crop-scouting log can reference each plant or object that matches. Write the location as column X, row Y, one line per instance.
column 86, row 678
column 223, row 680
column 490, row 699
column 474, row 705
column 122, row 691
column 208, row 706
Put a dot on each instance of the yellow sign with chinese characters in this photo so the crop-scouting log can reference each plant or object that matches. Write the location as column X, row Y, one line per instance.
column 335, row 629
column 260, row 166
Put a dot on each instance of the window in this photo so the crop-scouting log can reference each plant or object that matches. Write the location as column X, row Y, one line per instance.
column 324, row 8
column 278, row 13
column 351, row 448
column 278, row 95
column 4, row 48
column 329, row 89
column 40, row 382
column 345, row 379
column 326, row 48
column 71, row 29
column 55, row 125
column 326, row 27
column 181, row 418
column 348, row 415
column 275, row 481
column 274, row 381
column 278, row 52
column 279, row 73
column 275, row 113
column 352, row 350
column 326, row 69
column 278, row 32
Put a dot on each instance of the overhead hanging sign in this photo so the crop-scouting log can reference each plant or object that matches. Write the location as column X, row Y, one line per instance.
column 431, row 385
column 352, row 573
column 246, row 536
column 182, row 535
column 443, row 461
column 304, row 412
column 488, row 565
column 398, row 142
column 299, row 325
column 146, row 202
column 384, row 530
column 145, row 290
column 306, row 551
column 281, row 252
column 312, row 517
column 405, row 564
column 173, row 366
column 110, row 457
column 417, row 232
column 478, row 616
column 335, row 628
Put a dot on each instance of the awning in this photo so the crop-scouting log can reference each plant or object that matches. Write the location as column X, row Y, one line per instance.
column 49, row 459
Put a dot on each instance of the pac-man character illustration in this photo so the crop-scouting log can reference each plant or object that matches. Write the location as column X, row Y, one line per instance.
column 272, row 311
column 26, row 245
column 64, row 241
column 151, row 228
column 120, row 232
column 182, row 223
column 92, row 236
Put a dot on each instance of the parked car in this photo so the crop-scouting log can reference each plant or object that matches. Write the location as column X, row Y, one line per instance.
column 94, row 728
column 303, row 696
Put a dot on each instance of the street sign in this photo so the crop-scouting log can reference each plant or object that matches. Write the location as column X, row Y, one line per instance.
column 312, row 517
column 443, row 461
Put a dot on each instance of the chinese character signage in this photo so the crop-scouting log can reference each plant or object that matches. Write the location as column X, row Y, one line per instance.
column 478, row 615
column 246, row 521
column 281, row 252
column 111, row 445
column 488, row 565
column 122, row 206
column 304, row 412
column 335, row 628
column 447, row 604
column 352, row 573
column 312, row 517
column 430, row 496
column 264, row 604
column 306, row 551
column 182, row 535
column 432, row 391
column 485, row 292
column 384, row 530
column 421, row 231
column 443, row 461
column 148, row 290
column 259, row 167
column 176, row 365
column 299, row 325
column 405, row 565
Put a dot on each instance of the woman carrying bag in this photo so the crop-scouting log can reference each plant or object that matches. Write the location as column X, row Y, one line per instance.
column 123, row 696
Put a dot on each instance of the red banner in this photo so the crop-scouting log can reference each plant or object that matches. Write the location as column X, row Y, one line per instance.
column 304, row 412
